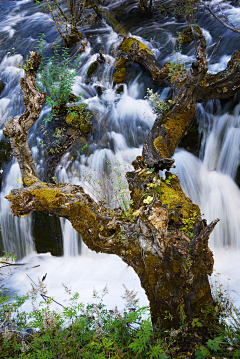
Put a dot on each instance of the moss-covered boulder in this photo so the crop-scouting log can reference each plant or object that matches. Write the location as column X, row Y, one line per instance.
column 128, row 42
column 119, row 76
column 92, row 68
column 79, row 118
column 187, row 36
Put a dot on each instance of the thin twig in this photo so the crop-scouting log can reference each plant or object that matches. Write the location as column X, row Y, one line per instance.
column 60, row 32
column 44, row 295
column 215, row 47
column 12, row 264
column 32, row 280
column 3, row 322
column 61, row 11
column 227, row 18
column 235, row 29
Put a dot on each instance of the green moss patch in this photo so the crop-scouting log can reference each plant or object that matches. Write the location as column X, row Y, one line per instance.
column 127, row 45
column 92, row 68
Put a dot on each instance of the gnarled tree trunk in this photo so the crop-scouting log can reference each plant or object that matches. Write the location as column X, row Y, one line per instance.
column 164, row 240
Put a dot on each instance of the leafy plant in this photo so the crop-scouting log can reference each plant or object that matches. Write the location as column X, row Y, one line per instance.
column 159, row 105
column 188, row 224
column 79, row 118
column 175, row 70
column 92, row 331
column 56, row 77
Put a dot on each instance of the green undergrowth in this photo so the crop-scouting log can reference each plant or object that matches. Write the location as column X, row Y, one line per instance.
column 92, row 331
column 56, row 77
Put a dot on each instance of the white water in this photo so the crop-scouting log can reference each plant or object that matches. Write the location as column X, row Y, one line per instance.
column 123, row 122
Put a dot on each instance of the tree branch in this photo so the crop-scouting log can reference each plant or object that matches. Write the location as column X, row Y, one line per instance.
column 233, row 27
column 223, row 84
column 172, row 124
column 172, row 259
column 17, row 129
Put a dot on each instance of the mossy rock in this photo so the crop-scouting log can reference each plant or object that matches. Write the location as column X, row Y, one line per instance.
column 119, row 76
column 186, row 37
column 92, row 68
column 79, row 119
column 127, row 45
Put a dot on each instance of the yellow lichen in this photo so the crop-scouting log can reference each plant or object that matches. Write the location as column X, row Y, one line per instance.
column 49, row 196
column 161, row 146
column 175, row 199
column 120, row 73
column 127, row 45
column 175, row 126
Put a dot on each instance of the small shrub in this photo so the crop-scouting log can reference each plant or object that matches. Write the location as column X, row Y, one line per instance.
column 56, row 77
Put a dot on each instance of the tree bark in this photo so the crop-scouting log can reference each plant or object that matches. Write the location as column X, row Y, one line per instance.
column 189, row 87
column 17, row 129
column 163, row 238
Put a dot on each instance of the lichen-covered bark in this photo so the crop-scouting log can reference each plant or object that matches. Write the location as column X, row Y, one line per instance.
column 17, row 129
column 134, row 50
column 190, row 87
column 172, row 267
column 171, row 126
column 223, row 84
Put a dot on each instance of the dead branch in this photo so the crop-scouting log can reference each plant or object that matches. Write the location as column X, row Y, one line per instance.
column 232, row 27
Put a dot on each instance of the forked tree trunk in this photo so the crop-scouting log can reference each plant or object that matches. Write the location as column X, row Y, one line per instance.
column 164, row 238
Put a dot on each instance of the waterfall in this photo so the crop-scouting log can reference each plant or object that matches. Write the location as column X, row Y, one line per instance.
column 210, row 182
column 15, row 232
column 121, row 123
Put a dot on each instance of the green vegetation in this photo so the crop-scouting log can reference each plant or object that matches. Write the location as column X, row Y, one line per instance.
column 158, row 105
column 57, row 77
column 175, row 70
column 92, row 331
column 79, row 118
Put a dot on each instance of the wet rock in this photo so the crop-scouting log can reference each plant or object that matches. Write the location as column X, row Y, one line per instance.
column 119, row 89
column 47, row 233
column 5, row 156
column 99, row 90
column 79, row 119
column 2, row 85
column 191, row 140
column 237, row 178
column 92, row 68
column 79, row 146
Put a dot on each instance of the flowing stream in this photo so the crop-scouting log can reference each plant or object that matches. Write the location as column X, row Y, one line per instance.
column 122, row 122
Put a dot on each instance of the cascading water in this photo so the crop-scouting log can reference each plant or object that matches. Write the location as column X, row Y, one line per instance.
column 122, row 123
